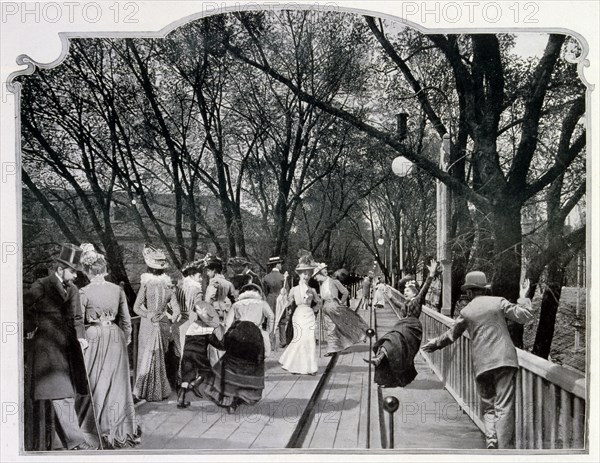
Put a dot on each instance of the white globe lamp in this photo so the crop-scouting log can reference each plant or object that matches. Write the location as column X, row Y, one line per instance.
column 401, row 166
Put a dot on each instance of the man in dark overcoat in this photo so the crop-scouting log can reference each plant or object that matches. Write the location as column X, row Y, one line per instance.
column 272, row 284
column 54, row 325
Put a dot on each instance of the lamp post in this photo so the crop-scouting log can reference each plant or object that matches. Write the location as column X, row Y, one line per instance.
column 401, row 167
column 443, row 211
column 381, row 242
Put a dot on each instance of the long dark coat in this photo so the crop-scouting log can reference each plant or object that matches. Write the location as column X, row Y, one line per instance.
column 54, row 354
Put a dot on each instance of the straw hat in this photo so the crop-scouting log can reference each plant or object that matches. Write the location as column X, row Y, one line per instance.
column 321, row 266
column 305, row 261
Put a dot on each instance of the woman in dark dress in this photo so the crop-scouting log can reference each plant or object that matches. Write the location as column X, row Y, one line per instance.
column 396, row 350
column 239, row 375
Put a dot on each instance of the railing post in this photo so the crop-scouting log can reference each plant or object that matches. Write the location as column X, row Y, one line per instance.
column 391, row 404
column 370, row 334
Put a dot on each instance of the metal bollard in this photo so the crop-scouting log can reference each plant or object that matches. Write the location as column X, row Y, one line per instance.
column 370, row 333
column 390, row 405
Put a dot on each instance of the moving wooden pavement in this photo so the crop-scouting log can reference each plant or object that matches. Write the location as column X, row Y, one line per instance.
column 325, row 411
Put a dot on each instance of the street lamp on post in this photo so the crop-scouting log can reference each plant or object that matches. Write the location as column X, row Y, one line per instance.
column 401, row 166
column 381, row 242
column 443, row 211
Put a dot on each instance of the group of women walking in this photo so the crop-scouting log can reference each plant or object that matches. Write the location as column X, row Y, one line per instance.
column 219, row 337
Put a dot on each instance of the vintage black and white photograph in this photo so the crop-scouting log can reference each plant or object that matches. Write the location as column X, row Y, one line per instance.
column 302, row 229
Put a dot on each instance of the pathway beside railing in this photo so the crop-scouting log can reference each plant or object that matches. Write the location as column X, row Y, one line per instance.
column 550, row 399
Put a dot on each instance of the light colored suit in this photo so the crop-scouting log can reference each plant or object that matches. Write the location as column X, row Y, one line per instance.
column 485, row 320
column 494, row 360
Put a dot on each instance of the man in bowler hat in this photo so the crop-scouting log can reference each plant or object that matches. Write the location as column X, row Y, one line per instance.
column 494, row 356
column 53, row 322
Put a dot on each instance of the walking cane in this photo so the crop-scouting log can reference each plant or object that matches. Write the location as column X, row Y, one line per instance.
column 87, row 377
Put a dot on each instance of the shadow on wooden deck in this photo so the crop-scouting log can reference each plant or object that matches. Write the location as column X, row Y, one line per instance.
column 428, row 417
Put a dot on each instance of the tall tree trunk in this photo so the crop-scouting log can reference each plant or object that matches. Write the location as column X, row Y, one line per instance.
column 506, row 221
column 118, row 272
column 549, row 309
column 462, row 243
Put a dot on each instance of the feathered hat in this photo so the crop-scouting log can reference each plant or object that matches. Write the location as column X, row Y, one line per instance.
column 319, row 267
column 305, row 261
column 154, row 257
column 89, row 255
column 196, row 264
column 210, row 260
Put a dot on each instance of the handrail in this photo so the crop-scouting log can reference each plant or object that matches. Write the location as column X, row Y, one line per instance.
column 571, row 380
column 550, row 408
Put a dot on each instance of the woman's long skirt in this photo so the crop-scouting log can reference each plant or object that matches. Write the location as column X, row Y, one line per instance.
column 152, row 383
column 107, row 366
column 300, row 356
column 344, row 327
column 239, row 376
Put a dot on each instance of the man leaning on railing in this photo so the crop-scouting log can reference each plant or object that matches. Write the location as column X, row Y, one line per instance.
column 494, row 356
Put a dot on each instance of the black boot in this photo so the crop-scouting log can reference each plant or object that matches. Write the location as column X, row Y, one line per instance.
column 181, row 402
column 377, row 359
column 195, row 387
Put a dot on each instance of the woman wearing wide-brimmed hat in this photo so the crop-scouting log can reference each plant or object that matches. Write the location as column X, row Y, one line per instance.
column 300, row 356
column 344, row 328
column 154, row 298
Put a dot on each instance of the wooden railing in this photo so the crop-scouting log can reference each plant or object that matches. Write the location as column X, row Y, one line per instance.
column 550, row 409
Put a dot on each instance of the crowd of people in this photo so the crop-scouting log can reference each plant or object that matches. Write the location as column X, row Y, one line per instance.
column 211, row 335
column 208, row 334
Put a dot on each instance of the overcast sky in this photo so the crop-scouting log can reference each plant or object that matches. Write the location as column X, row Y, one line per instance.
column 530, row 44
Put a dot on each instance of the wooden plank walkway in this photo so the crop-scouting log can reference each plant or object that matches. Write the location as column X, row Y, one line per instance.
column 428, row 417
column 339, row 420
column 266, row 425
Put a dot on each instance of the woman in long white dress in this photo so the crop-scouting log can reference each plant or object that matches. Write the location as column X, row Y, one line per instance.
column 301, row 354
